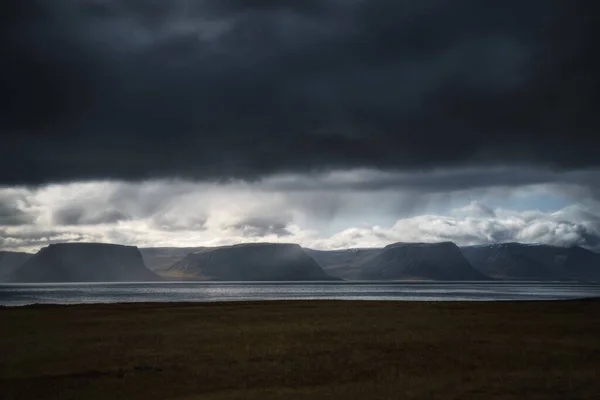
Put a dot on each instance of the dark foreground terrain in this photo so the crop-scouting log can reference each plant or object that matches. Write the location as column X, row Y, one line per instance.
column 302, row 350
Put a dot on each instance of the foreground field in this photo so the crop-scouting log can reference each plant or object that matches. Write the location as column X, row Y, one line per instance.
column 302, row 350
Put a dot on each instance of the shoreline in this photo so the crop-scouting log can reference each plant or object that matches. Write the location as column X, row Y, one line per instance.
column 286, row 301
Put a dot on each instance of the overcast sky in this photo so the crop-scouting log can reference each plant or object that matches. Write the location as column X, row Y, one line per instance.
column 330, row 123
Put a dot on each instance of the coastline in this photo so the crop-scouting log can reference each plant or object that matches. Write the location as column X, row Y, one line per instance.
column 177, row 304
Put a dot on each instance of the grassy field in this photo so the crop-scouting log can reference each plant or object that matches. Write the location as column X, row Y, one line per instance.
column 302, row 350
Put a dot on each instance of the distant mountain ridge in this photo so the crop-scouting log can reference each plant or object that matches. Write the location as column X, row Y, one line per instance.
column 70, row 262
column 534, row 262
column 419, row 261
column 250, row 262
column 84, row 262
column 358, row 263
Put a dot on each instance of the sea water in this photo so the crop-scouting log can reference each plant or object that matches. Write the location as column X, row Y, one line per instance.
column 86, row 293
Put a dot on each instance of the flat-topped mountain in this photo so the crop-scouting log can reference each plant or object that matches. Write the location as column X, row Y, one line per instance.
column 97, row 262
column 345, row 264
column 84, row 262
column 534, row 262
column 426, row 261
column 158, row 259
column 10, row 261
column 249, row 262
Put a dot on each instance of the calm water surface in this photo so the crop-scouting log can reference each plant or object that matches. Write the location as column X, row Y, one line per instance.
column 77, row 293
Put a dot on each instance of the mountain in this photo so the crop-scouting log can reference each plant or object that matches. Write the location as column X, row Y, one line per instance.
column 534, row 262
column 84, row 262
column 10, row 261
column 161, row 258
column 249, row 262
column 419, row 261
column 345, row 264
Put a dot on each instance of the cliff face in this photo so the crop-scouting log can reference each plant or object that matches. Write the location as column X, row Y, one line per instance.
column 534, row 262
column 427, row 261
column 10, row 261
column 84, row 262
column 249, row 262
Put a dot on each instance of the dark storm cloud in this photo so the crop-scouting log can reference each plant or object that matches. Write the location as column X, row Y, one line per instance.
column 134, row 89
column 86, row 216
column 580, row 183
column 11, row 215
column 11, row 208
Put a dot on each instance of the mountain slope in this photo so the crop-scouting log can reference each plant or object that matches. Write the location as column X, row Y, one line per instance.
column 160, row 258
column 249, row 262
column 345, row 264
column 84, row 262
column 427, row 261
column 534, row 262
column 10, row 261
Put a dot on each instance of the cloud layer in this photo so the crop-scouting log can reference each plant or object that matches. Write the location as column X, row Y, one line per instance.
column 214, row 90
column 177, row 213
column 562, row 228
column 331, row 123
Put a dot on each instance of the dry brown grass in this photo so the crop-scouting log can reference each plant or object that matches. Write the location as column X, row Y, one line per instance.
column 298, row 350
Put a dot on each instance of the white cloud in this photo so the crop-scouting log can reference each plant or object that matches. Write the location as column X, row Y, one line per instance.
column 561, row 228
column 175, row 213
